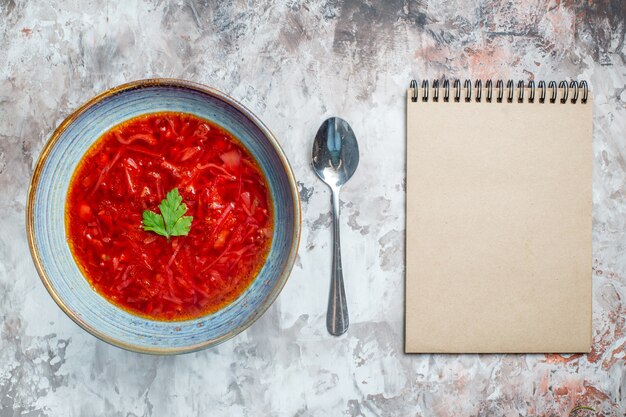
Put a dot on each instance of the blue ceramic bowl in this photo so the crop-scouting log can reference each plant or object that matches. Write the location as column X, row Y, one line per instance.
column 45, row 219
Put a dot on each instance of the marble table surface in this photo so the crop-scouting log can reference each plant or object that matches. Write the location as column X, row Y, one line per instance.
column 294, row 64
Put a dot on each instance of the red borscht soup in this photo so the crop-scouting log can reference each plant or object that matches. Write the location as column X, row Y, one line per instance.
column 169, row 217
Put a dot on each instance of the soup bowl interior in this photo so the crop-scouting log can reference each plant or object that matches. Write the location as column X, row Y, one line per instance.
column 46, row 217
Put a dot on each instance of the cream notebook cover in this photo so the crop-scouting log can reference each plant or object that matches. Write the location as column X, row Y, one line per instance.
column 498, row 243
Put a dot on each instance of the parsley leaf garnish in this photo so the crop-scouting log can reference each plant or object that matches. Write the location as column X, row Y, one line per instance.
column 171, row 221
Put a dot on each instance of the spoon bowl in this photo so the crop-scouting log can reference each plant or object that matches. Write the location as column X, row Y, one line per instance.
column 335, row 152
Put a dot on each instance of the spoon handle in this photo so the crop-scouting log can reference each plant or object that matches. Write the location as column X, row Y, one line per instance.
column 337, row 319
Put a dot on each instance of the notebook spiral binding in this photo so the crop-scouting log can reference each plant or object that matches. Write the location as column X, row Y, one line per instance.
column 475, row 92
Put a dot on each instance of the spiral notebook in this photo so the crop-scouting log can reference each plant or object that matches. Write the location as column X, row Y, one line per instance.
column 498, row 243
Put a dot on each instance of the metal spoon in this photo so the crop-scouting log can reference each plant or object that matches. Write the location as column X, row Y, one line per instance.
column 335, row 158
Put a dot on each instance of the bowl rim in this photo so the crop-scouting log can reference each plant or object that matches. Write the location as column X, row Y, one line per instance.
column 134, row 85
